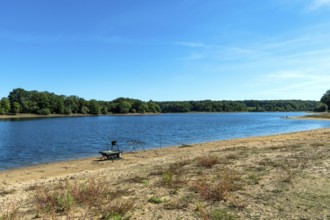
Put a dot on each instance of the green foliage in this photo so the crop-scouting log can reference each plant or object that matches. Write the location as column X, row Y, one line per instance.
column 15, row 108
column 237, row 106
column 22, row 101
column 326, row 98
column 155, row 200
column 321, row 108
column 123, row 107
column 44, row 111
column 67, row 110
column 221, row 214
column 84, row 110
column 94, row 107
column 4, row 106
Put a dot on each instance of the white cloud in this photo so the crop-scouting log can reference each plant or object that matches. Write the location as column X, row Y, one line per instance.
column 316, row 4
column 191, row 44
column 286, row 75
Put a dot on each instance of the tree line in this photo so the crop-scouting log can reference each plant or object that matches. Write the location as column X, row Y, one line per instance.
column 239, row 106
column 45, row 103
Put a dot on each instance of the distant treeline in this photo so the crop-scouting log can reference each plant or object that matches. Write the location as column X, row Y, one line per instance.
column 238, row 106
column 44, row 103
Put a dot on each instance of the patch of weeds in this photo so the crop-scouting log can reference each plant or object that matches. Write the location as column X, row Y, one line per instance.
column 286, row 176
column 267, row 162
column 175, row 168
column 167, row 179
column 157, row 171
column 155, row 200
column 10, row 211
column 4, row 191
column 201, row 210
column 65, row 201
column 253, row 179
column 220, row 214
column 173, row 181
column 92, row 194
column 199, row 171
column 137, row 179
column 207, row 161
column 31, row 188
column 112, row 216
column 232, row 157
column 59, row 199
column 180, row 203
column 185, row 146
column 276, row 147
column 171, row 175
column 117, row 209
column 317, row 145
column 210, row 192
column 217, row 190
column 294, row 146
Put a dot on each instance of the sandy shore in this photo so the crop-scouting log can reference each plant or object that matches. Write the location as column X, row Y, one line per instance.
column 241, row 155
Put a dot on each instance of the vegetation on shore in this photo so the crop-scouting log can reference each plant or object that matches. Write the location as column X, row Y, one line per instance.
column 318, row 116
column 20, row 101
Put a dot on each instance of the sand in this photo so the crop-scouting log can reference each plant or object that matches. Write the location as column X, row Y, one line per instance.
column 277, row 191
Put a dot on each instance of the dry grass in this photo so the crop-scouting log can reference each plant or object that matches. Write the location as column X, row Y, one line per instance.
column 10, row 210
column 218, row 189
column 208, row 161
column 93, row 195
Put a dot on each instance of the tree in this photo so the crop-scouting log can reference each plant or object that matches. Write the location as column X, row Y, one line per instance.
column 21, row 97
column 153, row 107
column 72, row 102
column 321, row 108
column 16, row 108
column 104, row 110
column 4, row 106
column 326, row 98
column 94, row 107
column 124, row 107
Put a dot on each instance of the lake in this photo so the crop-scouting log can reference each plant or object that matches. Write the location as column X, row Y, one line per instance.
column 34, row 141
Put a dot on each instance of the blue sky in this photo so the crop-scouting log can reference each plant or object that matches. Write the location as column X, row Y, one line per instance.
column 167, row 49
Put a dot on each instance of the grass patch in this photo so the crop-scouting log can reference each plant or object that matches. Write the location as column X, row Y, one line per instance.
column 10, row 211
column 155, row 200
column 207, row 161
column 179, row 203
column 220, row 214
column 253, row 179
column 92, row 194
column 185, row 145
column 217, row 190
column 4, row 191
column 137, row 179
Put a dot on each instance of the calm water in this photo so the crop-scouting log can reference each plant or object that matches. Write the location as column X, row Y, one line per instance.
column 27, row 142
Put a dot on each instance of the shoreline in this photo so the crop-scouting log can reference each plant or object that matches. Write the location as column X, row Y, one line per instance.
column 264, row 165
column 59, row 168
column 35, row 116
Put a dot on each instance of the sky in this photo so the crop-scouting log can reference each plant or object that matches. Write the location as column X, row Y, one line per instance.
column 167, row 50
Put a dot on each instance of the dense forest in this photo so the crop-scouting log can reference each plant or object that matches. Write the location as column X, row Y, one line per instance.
column 45, row 103
column 238, row 106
